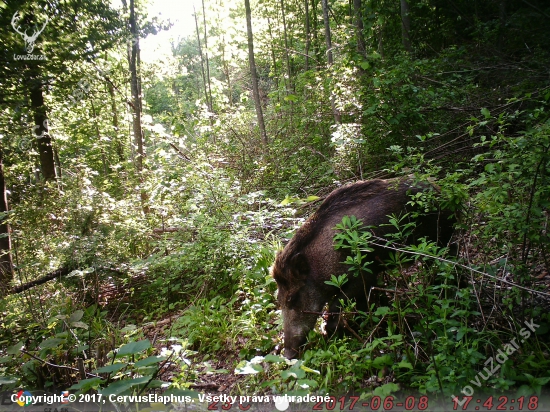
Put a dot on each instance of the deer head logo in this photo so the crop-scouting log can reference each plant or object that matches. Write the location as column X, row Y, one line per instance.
column 29, row 40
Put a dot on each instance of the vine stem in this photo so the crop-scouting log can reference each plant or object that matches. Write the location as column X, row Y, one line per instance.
column 460, row 265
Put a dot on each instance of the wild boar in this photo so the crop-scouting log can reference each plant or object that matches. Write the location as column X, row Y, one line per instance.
column 309, row 259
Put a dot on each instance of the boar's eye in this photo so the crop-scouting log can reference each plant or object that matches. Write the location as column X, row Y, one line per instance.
column 292, row 299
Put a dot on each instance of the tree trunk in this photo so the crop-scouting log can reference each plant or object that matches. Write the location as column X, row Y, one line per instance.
column 136, row 101
column 43, row 138
column 273, row 57
column 136, row 98
column 6, row 264
column 287, row 58
column 337, row 117
column 99, row 142
column 405, row 25
column 118, row 143
column 227, row 74
column 210, row 106
column 202, row 57
column 254, row 74
column 359, row 35
column 308, row 34
column 502, row 25
column 316, row 48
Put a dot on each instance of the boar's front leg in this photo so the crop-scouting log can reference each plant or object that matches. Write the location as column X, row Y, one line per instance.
column 357, row 289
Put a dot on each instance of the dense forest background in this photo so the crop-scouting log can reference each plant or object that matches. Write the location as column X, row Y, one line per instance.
column 156, row 194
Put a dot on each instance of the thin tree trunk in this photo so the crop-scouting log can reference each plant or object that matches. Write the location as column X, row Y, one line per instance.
column 316, row 48
column 227, row 73
column 308, row 34
column 328, row 40
column 57, row 163
column 359, row 35
column 502, row 20
column 210, row 107
column 254, row 74
column 118, row 143
column 202, row 58
column 6, row 264
column 381, row 41
column 405, row 25
column 43, row 138
column 98, row 136
column 136, row 100
column 273, row 57
column 287, row 58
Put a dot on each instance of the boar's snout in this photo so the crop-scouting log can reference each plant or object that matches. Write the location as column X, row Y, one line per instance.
column 296, row 326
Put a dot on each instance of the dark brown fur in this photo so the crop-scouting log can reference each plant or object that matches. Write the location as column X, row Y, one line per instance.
column 309, row 259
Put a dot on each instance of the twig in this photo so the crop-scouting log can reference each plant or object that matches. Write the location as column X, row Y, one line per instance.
column 375, row 328
column 327, row 313
column 57, row 366
column 181, row 154
column 296, row 52
column 458, row 264
column 156, row 373
column 536, row 8
column 348, row 327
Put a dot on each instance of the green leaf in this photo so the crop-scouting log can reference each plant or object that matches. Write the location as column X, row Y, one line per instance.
column 293, row 373
column 51, row 343
column 115, row 367
column 312, row 198
column 306, row 383
column 6, row 380
column 134, row 347
column 382, row 310
column 118, row 387
column 286, row 201
column 86, row 384
column 5, row 359
column 404, row 364
column 80, row 325
column 384, row 360
column 485, row 112
column 76, row 316
column 128, row 328
column 386, row 390
column 274, row 358
column 248, row 368
column 81, row 348
column 542, row 381
column 15, row 349
column 75, row 273
column 524, row 390
column 305, row 368
column 150, row 361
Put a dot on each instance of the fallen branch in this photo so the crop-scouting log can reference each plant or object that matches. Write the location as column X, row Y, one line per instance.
column 167, row 229
column 52, row 275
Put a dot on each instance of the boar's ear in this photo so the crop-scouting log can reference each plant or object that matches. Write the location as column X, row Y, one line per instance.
column 299, row 265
